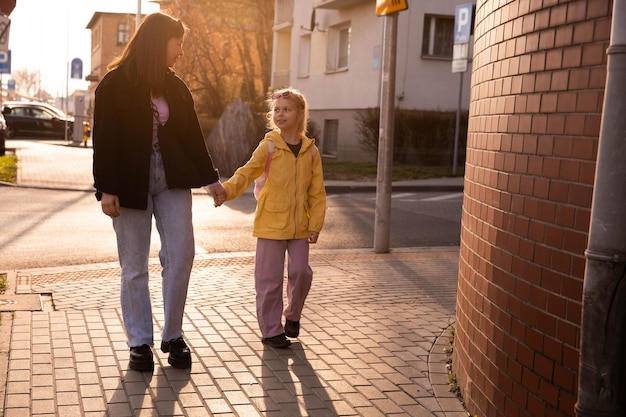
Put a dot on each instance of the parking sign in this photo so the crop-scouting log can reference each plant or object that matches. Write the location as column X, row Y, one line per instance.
column 5, row 62
column 463, row 22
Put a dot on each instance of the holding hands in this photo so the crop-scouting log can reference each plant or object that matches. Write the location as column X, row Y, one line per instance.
column 218, row 192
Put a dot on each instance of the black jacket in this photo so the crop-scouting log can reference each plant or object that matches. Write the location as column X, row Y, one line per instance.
column 122, row 140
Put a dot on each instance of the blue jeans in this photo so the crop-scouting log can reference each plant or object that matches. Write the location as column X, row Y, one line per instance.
column 172, row 213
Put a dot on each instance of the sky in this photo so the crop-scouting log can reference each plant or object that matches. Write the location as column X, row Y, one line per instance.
column 45, row 35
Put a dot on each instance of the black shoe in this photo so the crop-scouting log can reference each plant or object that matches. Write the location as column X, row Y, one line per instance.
column 141, row 359
column 292, row 328
column 279, row 341
column 179, row 354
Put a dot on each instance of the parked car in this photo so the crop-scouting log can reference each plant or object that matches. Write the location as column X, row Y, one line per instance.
column 36, row 119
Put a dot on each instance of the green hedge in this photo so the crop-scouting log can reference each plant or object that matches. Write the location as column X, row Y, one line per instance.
column 422, row 137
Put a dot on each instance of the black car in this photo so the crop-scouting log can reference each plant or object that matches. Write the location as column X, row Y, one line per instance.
column 36, row 119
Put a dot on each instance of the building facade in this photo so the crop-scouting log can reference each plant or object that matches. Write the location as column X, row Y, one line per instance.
column 110, row 32
column 332, row 51
column 535, row 113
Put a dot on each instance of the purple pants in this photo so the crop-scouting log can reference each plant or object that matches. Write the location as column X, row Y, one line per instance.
column 269, row 271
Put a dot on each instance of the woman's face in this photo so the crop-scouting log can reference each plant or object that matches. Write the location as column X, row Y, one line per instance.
column 174, row 50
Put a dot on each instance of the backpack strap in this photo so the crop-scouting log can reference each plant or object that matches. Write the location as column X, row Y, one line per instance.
column 270, row 146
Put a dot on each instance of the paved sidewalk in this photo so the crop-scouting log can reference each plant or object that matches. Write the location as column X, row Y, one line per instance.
column 372, row 343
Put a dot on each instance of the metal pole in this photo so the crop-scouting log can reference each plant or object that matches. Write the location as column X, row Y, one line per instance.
column 138, row 17
column 457, row 127
column 602, row 375
column 385, row 136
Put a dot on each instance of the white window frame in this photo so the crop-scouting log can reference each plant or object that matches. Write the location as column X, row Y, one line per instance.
column 434, row 39
column 338, row 52
column 304, row 56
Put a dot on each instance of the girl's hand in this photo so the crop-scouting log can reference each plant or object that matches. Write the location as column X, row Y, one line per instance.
column 313, row 237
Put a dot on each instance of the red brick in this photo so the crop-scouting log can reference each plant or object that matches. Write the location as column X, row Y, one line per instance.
column 598, row 8
column 563, row 35
column 554, row 59
column 576, row 11
column 558, row 15
column 574, row 123
column 559, row 192
column 572, row 56
column 559, row 80
column 565, row 216
column 569, row 170
column 563, row 147
column 592, row 125
column 556, row 124
column 557, row 307
column 583, row 32
column 545, row 145
column 579, row 79
column 594, row 54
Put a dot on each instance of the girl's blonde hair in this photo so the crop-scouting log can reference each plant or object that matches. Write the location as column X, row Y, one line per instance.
column 297, row 99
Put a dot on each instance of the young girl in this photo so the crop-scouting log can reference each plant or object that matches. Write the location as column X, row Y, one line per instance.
column 289, row 216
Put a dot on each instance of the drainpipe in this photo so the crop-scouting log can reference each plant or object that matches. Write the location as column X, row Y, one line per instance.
column 602, row 375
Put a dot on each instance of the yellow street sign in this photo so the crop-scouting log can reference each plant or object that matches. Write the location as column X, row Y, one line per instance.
column 384, row 7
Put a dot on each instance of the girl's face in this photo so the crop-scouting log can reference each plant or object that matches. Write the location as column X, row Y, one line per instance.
column 174, row 50
column 285, row 115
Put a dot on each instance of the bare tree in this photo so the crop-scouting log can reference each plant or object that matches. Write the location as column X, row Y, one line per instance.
column 27, row 83
column 228, row 51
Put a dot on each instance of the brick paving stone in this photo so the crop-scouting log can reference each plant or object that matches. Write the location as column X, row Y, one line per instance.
column 368, row 330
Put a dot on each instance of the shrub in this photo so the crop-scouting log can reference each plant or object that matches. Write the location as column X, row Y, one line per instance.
column 423, row 137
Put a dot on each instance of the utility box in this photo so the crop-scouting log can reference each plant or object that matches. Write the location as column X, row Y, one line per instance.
column 79, row 119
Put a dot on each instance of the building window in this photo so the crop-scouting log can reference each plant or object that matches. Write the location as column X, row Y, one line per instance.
column 438, row 36
column 304, row 54
column 331, row 132
column 338, row 48
column 123, row 33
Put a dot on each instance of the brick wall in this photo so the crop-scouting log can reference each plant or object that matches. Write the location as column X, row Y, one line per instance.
column 535, row 112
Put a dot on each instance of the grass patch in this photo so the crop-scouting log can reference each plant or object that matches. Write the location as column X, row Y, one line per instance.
column 354, row 171
column 8, row 168
column 3, row 283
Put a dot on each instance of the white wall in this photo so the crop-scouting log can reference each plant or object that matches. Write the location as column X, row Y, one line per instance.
column 420, row 83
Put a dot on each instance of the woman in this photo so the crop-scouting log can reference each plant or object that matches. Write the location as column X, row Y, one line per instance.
column 149, row 152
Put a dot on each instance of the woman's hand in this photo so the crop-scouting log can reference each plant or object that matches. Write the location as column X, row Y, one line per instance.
column 218, row 192
column 110, row 205
column 313, row 237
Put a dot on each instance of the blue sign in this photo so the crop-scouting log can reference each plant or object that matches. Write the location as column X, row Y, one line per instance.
column 5, row 62
column 463, row 22
column 77, row 68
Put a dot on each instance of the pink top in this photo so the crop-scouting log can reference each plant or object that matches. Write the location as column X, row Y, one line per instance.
column 162, row 111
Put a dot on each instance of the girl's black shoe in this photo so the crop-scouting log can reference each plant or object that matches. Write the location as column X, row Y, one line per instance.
column 279, row 341
column 292, row 328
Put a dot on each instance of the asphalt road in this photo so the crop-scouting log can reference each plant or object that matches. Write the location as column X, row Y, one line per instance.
column 44, row 228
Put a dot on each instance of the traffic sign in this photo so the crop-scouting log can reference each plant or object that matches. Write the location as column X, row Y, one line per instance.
column 463, row 23
column 77, row 68
column 385, row 7
column 5, row 62
column 5, row 25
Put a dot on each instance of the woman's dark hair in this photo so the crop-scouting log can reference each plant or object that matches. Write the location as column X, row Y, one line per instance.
column 144, row 57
